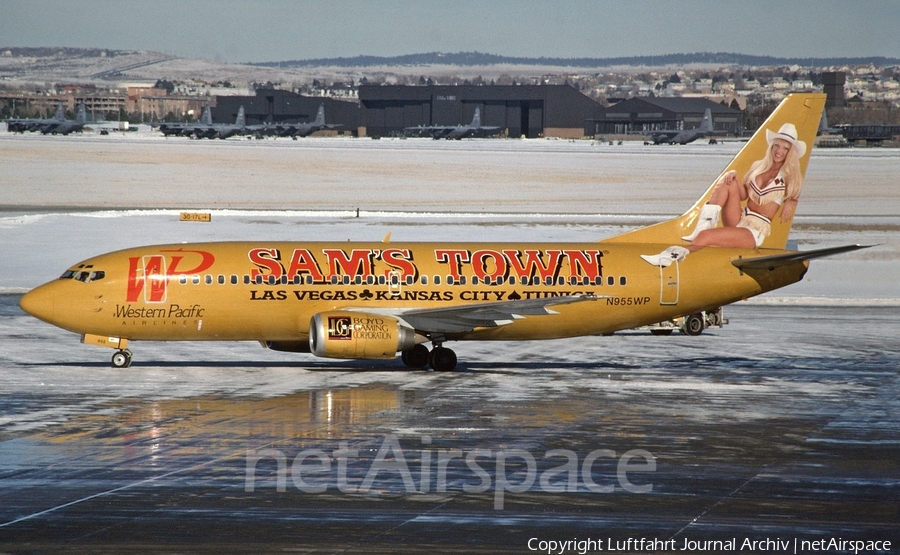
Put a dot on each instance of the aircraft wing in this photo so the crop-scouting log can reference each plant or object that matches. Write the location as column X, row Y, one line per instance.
column 468, row 317
column 777, row 260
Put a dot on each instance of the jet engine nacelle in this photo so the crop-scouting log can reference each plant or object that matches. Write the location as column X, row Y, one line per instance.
column 358, row 335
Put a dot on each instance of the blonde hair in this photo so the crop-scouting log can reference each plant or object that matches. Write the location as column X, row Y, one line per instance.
column 790, row 170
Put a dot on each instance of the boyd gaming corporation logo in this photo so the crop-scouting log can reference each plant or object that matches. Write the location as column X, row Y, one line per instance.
column 340, row 327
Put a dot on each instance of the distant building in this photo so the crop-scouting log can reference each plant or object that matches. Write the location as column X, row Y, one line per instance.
column 647, row 114
column 529, row 110
column 833, row 83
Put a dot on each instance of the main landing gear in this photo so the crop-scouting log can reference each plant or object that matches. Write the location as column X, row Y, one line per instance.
column 121, row 359
column 440, row 358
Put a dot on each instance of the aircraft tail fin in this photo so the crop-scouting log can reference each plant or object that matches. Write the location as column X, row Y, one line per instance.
column 320, row 115
column 82, row 113
column 206, row 117
column 707, row 123
column 240, row 120
column 60, row 112
column 476, row 119
column 801, row 110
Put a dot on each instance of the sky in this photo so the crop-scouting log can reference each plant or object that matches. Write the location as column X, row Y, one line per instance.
column 280, row 30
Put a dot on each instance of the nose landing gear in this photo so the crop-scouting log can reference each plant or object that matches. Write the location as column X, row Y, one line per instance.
column 121, row 359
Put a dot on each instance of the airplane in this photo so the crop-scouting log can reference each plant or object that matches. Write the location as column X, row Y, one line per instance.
column 58, row 124
column 206, row 129
column 179, row 128
column 375, row 300
column 474, row 129
column 295, row 130
column 22, row 125
column 65, row 126
column 222, row 130
column 685, row 136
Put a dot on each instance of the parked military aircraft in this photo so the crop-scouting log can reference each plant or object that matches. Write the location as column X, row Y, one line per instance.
column 206, row 129
column 187, row 129
column 223, row 130
column 58, row 124
column 474, row 129
column 22, row 125
column 685, row 136
column 374, row 300
column 300, row 129
column 66, row 126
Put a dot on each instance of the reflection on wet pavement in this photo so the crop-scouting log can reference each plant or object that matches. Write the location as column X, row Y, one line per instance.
column 737, row 433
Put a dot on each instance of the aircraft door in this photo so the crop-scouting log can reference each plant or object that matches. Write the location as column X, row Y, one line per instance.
column 668, row 284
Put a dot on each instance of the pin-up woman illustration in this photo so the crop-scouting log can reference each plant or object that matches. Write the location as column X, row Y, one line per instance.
column 772, row 182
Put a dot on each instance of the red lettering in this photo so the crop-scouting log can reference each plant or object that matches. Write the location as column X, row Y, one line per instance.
column 455, row 258
column 267, row 262
column 139, row 270
column 359, row 262
column 302, row 261
column 399, row 259
column 488, row 263
column 206, row 262
column 534, row 265
column 584, row 263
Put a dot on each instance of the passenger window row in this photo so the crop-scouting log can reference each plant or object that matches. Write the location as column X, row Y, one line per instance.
column 394, row 280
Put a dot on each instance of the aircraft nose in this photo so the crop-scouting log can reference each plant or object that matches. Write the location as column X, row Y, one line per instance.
column 40, row 302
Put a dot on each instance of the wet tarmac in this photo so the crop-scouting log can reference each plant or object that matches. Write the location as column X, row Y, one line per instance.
column 782, row 426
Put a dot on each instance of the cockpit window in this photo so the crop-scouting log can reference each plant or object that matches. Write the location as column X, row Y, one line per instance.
column 83, row 276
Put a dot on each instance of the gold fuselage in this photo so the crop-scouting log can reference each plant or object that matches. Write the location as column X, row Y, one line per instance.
column 263, row 291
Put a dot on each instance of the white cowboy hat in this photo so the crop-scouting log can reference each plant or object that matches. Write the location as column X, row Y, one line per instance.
column 788, row 133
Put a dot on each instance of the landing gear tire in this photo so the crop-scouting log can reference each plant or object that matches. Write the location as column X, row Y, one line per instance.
column 693, row 324
column 121, row 359
column 417, row 357
column 442, row 359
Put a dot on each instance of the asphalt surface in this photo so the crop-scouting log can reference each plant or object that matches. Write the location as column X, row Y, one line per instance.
column 783, row 426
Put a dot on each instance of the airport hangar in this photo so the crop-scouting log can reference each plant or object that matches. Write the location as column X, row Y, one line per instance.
column 520, row 110
column 386, row 110
column 644, row 115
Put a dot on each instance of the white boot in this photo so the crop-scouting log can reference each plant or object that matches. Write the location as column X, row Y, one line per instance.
column 666, row 257
column 708, row 219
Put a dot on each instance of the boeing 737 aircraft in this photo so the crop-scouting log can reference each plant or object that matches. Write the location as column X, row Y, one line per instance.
column 380, row 299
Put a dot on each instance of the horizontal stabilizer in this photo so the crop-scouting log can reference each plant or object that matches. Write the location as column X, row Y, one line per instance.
column 774, row 261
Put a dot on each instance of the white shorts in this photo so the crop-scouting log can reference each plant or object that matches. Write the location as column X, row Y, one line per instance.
column 759, row 225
